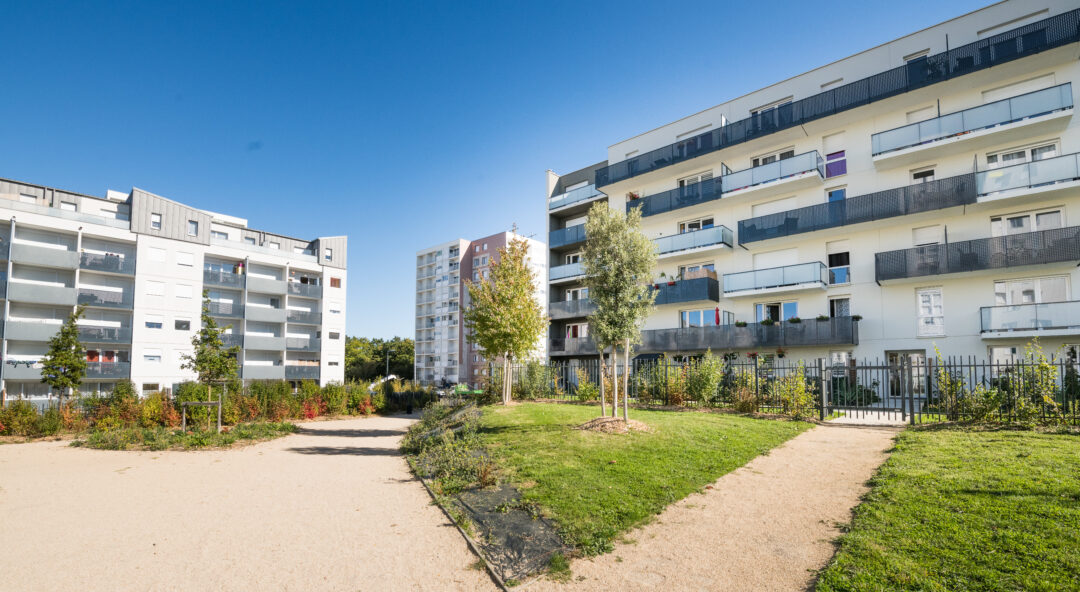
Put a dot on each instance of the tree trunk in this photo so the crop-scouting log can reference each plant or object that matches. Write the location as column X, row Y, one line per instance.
column 626, row 383
column 506, row 380
column 614, row 381
column 603, row 405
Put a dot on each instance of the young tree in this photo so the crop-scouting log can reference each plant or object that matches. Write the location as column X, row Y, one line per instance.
column 211, row 360
column 618, row 261
column 503, row 316
column 64, row 366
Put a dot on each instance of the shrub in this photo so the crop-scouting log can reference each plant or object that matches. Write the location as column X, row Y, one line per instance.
column 335, row 399
column 703, row 379
column 796, row 396
column 534, row 380
column 586, row 390
column 981, row 404
column 744, row 399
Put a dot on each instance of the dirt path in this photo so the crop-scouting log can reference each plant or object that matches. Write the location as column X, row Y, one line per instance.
column 766, row 526
column 332, row 508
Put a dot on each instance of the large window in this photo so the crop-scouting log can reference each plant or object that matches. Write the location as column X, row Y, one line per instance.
column 1021, row 155
column 931, row 312
column 708, row 317
column 840, row 307
column 192, row 228
column 572, row 258
column 840, row 268
column 577, row 294
column 692, row 225
column 771, row 158
column 696, row 270
column 695, row 178
column 1026, row 222
column 577, row 330
column 835, row 164
column 1032, row 290
column 155, row 221
column 776, row 311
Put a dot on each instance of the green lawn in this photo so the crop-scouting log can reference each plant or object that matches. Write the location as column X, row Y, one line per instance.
column 967, row 510
column 596, row 485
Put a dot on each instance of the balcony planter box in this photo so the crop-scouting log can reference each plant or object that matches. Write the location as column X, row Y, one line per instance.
column 856, row 318
column 821, row 318
column 794, row 320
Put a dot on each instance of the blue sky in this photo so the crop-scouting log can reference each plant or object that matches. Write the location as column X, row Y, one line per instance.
column 400, row 124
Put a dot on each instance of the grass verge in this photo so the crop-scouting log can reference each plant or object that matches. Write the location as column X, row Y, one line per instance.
column 160, row 438
column 596, row 485
column 956, row 509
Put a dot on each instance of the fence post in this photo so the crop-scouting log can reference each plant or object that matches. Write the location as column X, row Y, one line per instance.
column 666, row 400
column 823, row 372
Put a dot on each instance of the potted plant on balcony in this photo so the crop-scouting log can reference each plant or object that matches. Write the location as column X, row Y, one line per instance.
column 856, row 318
column 731, row 356
column 822, row 318
column 780, row 352
column 740, row 323
column 632, row 195
column 752, row 355
column 767, row 322
column 795, row 320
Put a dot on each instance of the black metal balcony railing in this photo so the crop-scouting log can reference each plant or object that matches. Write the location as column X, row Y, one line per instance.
column 911, row 199
column 110, row 263
column 566, row 309
column 105, row 298
column 105, row 334
column 690, row 290
column 303, row 316
column 305, row 290
column 835, row 331
column 1014, row 250
column 226, row 309
column 680, row 197
column 566, row 236
column 1001, row 48
column 1043, row 316
column 108, row 370
column 226, row 279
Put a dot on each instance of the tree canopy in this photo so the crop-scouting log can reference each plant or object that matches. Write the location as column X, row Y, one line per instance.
column 211, row 360
column 365, row 358
column 64, row 366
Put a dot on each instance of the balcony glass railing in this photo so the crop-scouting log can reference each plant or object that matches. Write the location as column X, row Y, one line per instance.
column 1004, row 47
column 226, row 309
column 566, row 236
column 807, row 162
column 565, row 309
column 227, row 279
column 110, row 263
column 1001, row 112
column 912, row 199
column 1047, row 171
column 108, row 370
column 717, row 235
column 777, row 277
column 1031, row 317
column 574, row 196
column 105, row 334
column 106, row 298
column 1015, row 250
column 559, row 272
column 301, row 344
column 305, row 290
column 304, row 316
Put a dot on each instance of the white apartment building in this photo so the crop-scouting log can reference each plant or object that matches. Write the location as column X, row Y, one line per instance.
column 442, row 349
column 140, row 263
column 922, row 193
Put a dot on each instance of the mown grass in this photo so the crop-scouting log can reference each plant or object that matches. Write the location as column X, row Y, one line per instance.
column 596, row 486
column 159, row 438
column 957, row 509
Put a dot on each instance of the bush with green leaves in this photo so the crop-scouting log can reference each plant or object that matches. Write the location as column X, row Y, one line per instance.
column 703, row 379
column 586, row 389
column 794, row 392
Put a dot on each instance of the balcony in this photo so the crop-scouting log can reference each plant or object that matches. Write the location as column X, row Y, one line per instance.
column 680, row 197
column 265, row 285
column 20, row 370
column 787, row 278
column 263, row 372
column 30, row 331
column 298, row 372
column 1008, row 119
column 574, row 196
column 1040, row 176
column 912, row 199
column 224, row 279
column 301, row 344
column 688, row 290
column 264, row 342
column 572, row 346
column 108, row 370
column 305, row 290
column 565, row 237
column 1060, row 245
column 44, row 256
column 998, row 49
column 106, row 298
column 89, row 334
column 788, row 174
column 566, row 273
column 698, row 241
column 226, row 309
column 41, row 294
column 303, row 317
column 232, row 340
column 835, row 331
column 568, row 309
column 1031, row 320
column 107, row 263
column 265, row 314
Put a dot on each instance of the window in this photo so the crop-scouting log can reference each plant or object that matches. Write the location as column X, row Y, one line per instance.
column 486, row 273
column 696, row 270
column 335, row 311
column 27, row 198
column 185, row 259
column 334, row 335
column 192, row 228
column 476, row 248
column 154, row 322
column 1002, row 355
column 183, row 290
column 577, row 330
column 155, row 221
column 840, row 268
column 835, row 164
column 776, row 311
column 485, row 246
column 150, row 387
column 693, row 225
column 1021, row 155
column 476, row 276
column 152, row 355
column 838, row 194
column 572, row 258
column 695, row 178
column 1026, row 222
column 709, row 317
column 771, row 158
column 922, row 176
column 927, row 235
column 484, row 261
column 1031, row 290
column 917, row 55
column 333, row 363
column 840, row 307
column 328, row 255
column 69, row 206
column 299, row 250
column 931, row 312
column 335, row 282
column 577, row 294
column 154, row 288
column 275, row 245
column 249, row 240
column 219, row 235
column 182, row 325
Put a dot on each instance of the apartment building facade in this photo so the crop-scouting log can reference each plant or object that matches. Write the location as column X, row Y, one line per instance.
column 924, row 193
column 140, row 263
column 444, row 354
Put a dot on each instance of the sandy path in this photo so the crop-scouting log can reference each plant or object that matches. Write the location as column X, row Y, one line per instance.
column 334, row 508
column 765, row 526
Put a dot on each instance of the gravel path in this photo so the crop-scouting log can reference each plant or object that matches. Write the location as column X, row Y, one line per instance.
column 332, row 508
column 766, row 526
